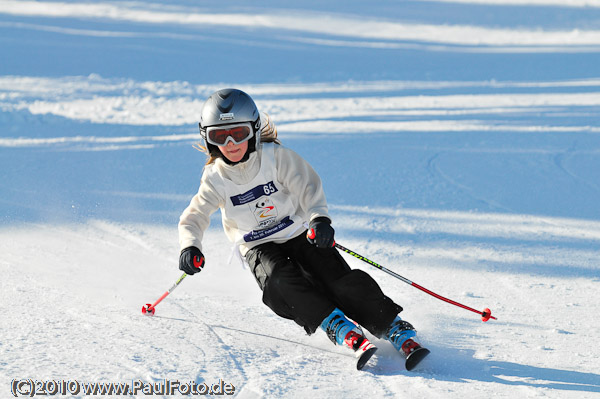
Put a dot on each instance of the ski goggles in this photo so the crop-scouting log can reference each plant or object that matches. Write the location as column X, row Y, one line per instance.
column 221, row 135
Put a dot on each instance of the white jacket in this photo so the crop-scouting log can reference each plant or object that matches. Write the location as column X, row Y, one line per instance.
column 299, row 194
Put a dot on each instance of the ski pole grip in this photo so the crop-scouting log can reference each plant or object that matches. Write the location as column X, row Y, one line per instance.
column 198, row 262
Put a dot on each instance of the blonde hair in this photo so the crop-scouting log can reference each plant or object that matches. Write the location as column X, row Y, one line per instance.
column 268, row 134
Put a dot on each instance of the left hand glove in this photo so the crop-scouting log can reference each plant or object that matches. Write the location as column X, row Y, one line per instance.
column 320, row 233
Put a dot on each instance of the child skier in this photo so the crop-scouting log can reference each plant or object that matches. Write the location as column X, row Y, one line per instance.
column 267, row 195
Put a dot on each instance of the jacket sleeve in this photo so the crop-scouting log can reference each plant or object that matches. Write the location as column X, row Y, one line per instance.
column 195, row 219
column 302, row 181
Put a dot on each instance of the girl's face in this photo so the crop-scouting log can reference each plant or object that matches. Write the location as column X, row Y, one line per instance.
column 234, row 152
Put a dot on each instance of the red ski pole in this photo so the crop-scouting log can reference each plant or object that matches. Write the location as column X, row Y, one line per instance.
column 485, row 315
column 148, row 309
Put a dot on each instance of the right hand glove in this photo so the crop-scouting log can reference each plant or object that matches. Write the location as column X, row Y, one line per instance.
column 191, row 260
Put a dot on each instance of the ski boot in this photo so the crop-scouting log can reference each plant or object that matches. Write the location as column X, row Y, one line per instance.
column 401, row 334
column 342, row 331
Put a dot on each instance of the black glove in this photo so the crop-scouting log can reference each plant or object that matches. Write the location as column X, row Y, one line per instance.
column 320, row 232
column 191, row 260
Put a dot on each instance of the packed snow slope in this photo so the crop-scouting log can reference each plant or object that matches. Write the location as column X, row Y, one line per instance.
column 459, row 146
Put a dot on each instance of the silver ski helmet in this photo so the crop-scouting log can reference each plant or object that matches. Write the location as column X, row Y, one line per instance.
column 228, row 107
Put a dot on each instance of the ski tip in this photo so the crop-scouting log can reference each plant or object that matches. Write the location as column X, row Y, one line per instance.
column 364, row 358
column 415, row 358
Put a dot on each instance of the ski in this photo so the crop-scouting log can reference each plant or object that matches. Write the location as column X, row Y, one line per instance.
column 364, row 356
column 415, row 357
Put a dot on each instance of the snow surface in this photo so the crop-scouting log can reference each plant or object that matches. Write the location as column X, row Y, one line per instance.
column 459, row 145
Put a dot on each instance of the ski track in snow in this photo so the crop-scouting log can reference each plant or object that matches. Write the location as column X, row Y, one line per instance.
column 373, row 32
column 444, row 158
column 83, row 99
column 206, row 331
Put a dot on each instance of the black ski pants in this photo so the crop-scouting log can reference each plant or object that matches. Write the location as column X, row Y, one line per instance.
column 304, row 283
